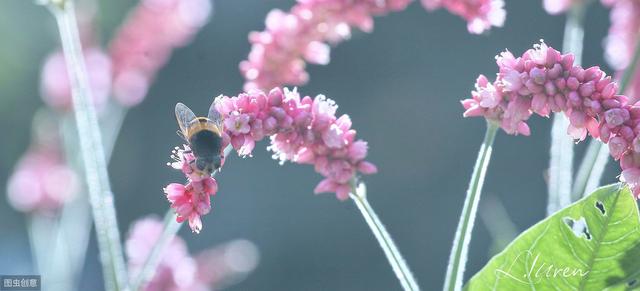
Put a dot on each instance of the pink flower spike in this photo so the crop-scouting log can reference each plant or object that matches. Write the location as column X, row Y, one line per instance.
column 552, row 82
column 305, row 33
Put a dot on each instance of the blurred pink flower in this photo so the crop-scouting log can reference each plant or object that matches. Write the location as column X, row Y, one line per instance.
column 178, row 270
column 480, row 15
column 41, row 181
column 621, row 40
column 147, row 38
column 190, row 201
column 278, row 54
column 543, row 80
column 304, row 130
column 55, row 84
column 558, row 6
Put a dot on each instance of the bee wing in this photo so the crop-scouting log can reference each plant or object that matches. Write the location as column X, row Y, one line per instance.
column 184, row 115
column 215, row 116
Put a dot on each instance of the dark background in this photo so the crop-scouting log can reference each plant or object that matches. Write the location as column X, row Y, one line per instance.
column 400, row 85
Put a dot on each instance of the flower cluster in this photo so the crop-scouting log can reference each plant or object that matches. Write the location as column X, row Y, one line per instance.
column 42, row 181
column 192, row 200
column 145, row 42
column 278, row 53
column 303, row 130
column 479, row 14
column 180, row 271
column 139, row 49
column 544, row 81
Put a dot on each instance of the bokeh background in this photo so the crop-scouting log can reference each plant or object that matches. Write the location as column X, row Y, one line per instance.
column 400, row 85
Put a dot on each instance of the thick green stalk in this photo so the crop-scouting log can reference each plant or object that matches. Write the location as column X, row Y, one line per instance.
column 397, row 262
column 460, row 249
column 100, row 195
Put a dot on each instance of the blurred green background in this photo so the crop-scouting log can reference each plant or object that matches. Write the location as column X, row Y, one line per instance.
column 400, row 85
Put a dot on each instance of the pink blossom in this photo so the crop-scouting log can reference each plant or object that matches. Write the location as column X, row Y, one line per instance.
column 479, row 14
column 147, row 38
column 551, row 81
column 278, row 54
column 178, row 270
column 192, row 200
column 42, row 181
column 55, row 84
column 304, row 130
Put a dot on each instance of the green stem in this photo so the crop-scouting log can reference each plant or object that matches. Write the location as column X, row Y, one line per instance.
column 592, row 166
column 100, row 195
column 171, row 228
column 561, row 152
column 460, row 249
column 397, row 262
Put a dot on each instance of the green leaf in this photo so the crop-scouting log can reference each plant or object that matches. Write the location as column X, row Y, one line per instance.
column 593, row 244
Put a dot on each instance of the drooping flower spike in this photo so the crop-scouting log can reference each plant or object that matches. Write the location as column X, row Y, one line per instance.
column 542, row 81
column 303, row 130
column 279, row 54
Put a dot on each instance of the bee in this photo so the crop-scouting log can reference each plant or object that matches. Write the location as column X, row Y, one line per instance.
column 204, row 136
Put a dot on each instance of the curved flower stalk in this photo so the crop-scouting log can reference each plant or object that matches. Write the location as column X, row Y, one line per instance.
column 306, row 130
column 303, row 130
column 480, row 15
column 544, row 81
column 178, row 270
column 279, row 54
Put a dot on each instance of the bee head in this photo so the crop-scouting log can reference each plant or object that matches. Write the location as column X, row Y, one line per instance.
column 208, row 164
